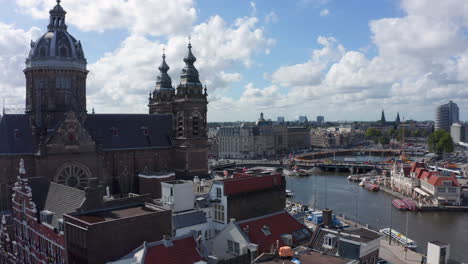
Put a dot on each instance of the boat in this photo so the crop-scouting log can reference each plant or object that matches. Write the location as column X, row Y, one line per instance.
column 289, row 194
column 412, row 206
column 371, row 186
column 364, row 180
column 399, row 237
column 399, row 204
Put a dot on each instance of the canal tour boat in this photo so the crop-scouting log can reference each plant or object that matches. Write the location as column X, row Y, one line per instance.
column 289, row 194
column 371, row 186
column 399, row 204
column 405, row 241
column 412, row 206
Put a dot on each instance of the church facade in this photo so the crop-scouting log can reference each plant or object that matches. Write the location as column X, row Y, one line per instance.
column 59, row 140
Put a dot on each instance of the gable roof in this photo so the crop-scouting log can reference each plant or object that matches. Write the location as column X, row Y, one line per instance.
column 62, row 199
column 9, row 143
column 416, row 165
column 188, row 219
column 182, row 251
column 435, row 178
column 246, row 183
column 130, row 130
column 278, row 224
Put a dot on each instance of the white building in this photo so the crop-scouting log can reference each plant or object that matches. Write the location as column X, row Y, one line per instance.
column 438, row 252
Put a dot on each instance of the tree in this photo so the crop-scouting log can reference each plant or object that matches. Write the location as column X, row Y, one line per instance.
column 373, row 134
column 440, row 142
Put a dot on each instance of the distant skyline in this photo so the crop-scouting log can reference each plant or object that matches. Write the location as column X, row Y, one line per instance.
column 345, row 60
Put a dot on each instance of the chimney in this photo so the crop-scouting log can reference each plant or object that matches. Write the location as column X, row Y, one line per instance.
column 327, row 217
column 94, row 195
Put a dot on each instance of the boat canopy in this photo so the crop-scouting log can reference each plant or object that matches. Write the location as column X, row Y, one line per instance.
column 420, row 191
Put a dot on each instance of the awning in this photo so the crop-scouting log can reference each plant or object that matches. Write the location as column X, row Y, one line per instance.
column 420, row 191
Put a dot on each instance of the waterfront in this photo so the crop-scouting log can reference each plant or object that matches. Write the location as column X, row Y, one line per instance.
column 374, row 208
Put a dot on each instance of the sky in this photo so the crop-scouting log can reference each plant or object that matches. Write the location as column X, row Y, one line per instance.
column 343, row 59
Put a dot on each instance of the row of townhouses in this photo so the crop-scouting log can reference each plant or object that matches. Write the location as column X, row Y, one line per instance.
column 427, row 186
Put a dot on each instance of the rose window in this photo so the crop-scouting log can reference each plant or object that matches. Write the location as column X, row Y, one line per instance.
column 74, row 175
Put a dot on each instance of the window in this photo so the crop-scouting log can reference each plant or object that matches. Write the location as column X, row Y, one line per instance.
column 441, row 189
column 60, row 225
column 195, row 125
column 233, row 247
column 452, row 190
column 218, row 193
column 180, row 126
column 219, row 212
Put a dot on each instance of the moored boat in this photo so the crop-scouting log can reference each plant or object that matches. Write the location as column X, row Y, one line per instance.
column 409, row 243
column 289, row 194
column 399, row 204
column 410, row 204
column 371, row 186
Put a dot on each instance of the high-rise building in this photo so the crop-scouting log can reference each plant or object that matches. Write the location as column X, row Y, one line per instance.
column 446, row 115
column 320, row 119
column 280, row 119
column 303, row 119
column 457, row 131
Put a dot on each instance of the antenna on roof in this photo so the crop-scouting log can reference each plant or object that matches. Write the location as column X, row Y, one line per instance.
column 3, row 109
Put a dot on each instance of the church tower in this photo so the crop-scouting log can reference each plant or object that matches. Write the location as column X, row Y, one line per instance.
column 162, row 98
column 55, row 75
column 190, row 109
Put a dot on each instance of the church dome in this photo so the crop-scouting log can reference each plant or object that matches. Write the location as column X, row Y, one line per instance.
column 56, row 48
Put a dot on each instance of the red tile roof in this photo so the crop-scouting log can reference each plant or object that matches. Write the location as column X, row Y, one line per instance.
column 434, row 178
column 183, row 251
column 278, row 223
column 249, row 183
column 416, row 165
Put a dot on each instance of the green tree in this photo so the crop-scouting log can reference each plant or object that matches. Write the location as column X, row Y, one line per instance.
column 373, row 134
column 384, row 140
column 440, row 142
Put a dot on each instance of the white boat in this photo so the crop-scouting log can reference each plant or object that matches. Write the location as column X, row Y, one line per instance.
column 289, row 193
column 402, row 239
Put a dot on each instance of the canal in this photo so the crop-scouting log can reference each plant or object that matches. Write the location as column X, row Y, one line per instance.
column 346, row 198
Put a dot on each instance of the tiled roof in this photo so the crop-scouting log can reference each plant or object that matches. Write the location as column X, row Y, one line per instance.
column 62, row 199
column 254, row 183
column 22, row 142
column 277, row 224
column 188, row 219
column 127, row 131
column 416, row 165
column 434, row 178
column 183, row 250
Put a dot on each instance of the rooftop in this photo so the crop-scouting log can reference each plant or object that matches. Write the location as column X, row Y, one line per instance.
column 249, row 182
column 117, row 213
column 304, row 255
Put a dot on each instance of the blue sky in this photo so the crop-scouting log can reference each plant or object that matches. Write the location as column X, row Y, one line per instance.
column 344, row 59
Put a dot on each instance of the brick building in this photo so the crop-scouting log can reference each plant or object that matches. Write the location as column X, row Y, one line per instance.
column 50, row 221
column 59, row 140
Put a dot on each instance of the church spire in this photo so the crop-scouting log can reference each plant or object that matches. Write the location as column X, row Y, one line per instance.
column 397, row 118
column 189, row 72
column 164, row 80
column 382, row 118
column 57, row 18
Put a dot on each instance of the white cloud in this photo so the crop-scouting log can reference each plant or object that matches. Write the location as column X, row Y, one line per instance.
column 324, row 12
column 14, row 48
column 123, row 78
column 311, row 72
column 152, row 17
column 272, row 18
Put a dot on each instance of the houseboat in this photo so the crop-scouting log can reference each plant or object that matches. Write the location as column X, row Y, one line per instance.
column 402, row 239
column 400, row 205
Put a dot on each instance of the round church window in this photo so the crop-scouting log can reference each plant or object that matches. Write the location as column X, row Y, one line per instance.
column 73, row 174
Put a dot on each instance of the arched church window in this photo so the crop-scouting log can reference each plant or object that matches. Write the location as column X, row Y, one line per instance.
column 42, row 52
column 196, row 124
column 180, row 125
column 63, row 51
column 73, row 174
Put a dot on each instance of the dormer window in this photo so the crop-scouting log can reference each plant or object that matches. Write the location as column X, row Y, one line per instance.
column 145, row 131
column 266, row 230
column 17, row 134
column 114, row 131
column 46, row 217
column 329, row 241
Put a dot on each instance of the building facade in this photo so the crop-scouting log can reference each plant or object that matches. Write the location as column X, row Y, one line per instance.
column 446, row 115
column 457, row 131
column 59, row 140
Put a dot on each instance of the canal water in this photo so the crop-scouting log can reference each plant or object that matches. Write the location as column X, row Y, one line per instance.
column 333, row 190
